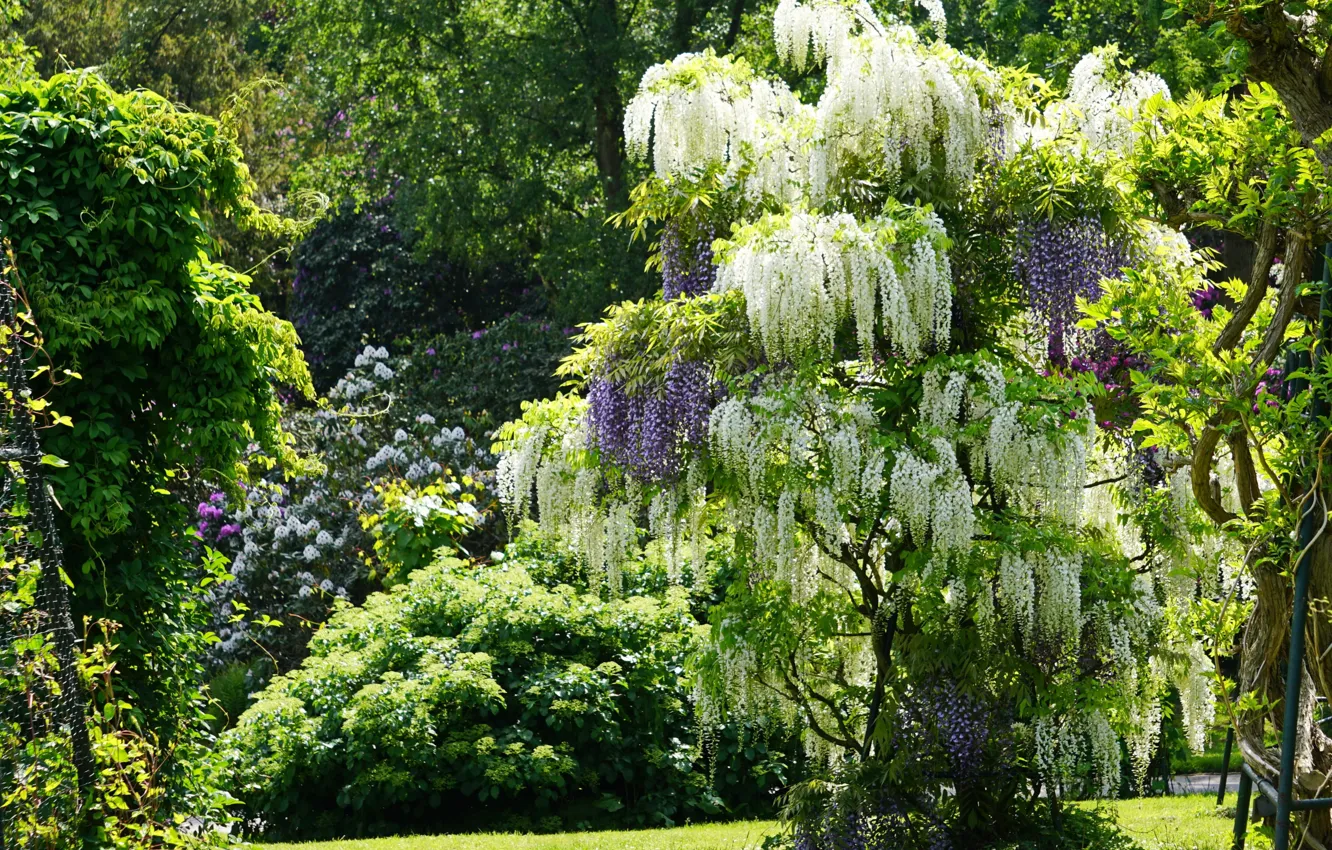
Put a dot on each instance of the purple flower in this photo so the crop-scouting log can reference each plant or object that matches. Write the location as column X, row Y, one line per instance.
column 686, row 269
column 647, row 433
column 478, row 334
column 1058, row 262
column 430, row 352
column 228, row 530
column 1205, row 299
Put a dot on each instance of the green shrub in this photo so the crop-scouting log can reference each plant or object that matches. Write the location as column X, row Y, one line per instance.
column 479, row 379
column 479, row 697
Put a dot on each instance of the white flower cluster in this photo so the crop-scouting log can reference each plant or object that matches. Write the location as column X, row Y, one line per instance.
column 899, row 105
column 1044, row 468
column 890, row 102
column 932, row 499
column 572, row 506
column 804, row 274
column 1064, row 744
column 1193, row 676
column 1040, row 597
column 1105, row 102
column 700, row 109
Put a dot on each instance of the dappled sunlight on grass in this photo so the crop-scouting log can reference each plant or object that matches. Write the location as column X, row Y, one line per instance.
column 1176, row 823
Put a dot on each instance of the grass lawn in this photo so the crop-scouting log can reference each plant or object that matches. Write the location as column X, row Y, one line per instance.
column 1161, row 823
column 1176, row 823
column 726, row 836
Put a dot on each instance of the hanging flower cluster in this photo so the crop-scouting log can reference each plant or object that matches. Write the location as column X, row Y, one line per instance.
column 804, row 274
column 1059, row 262
column 686, row 268
column 1105, row 101
column 648, row 434
column 700, row 109
column 890, row 100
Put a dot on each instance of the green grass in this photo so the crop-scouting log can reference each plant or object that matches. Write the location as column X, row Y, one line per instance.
column 726, row 836
column 1176, row 823
column 1160, row 823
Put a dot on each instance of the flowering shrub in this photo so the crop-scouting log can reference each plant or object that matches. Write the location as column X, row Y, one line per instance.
column 478, row 379
column 488, row 697
column 360, row 278
column 298, row 544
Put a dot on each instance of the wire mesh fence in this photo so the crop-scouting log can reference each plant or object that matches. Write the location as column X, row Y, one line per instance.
column 46, row 761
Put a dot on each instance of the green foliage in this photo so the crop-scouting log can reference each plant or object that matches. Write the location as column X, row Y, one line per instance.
column 474, row 697
column 143, row 787
column 1050, row 36
column 479, row 379
column 101, row 200
column 498, row 125
column 1232, row 163
column 211, row 56
column 358, row 280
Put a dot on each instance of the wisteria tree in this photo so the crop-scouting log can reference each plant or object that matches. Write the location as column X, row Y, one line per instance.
column 1224, row 394
column 862, row 411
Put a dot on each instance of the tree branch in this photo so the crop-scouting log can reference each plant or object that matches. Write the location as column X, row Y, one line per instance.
column 1292, row 275
column 1263, row 252
column 1200, row 475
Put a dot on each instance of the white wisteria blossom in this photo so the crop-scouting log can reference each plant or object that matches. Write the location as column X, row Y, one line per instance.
column 700, row 109
column 1104, row 101
column 803, row 274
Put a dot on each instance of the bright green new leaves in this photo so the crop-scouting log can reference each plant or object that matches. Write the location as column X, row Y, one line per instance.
column 1232, row 163
column 475, row 695
column 100, row 199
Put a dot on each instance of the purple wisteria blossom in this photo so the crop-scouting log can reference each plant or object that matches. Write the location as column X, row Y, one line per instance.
column 1058, row 261
column 687, row 266
column 647, row 433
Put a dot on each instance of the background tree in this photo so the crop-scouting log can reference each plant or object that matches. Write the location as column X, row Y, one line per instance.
column 1050, row 37
column 498, row 127
column 1290, row 49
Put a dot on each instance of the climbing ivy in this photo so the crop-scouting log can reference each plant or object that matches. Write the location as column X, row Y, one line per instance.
column 102, row 196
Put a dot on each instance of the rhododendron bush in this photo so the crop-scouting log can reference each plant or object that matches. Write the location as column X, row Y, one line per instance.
column 864, row 391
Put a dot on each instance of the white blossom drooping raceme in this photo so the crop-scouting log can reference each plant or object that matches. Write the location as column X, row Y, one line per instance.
column 1044, row 468
column 811, row 32
column 932, row 499
column 1017, row 594
column 1193, row 676
column 1059, row 598
column 517, row 472
column 1058, row 751
column 700, row 109
column 1103, row 753
column 803, row 274
column 889, row 99
column 941, row 403
column 1104, row 101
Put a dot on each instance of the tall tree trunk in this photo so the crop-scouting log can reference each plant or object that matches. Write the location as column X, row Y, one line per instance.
column 604, row 49
column 1303, row 80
